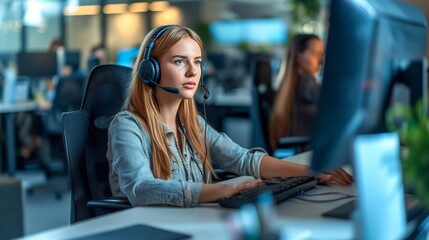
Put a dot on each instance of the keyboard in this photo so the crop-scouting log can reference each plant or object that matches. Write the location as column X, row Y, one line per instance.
column 280, row 188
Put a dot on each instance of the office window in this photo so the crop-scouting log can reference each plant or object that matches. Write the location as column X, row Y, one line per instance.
column 42, row 22
column 10, row 25
column 83, row 32
column 125, row 30
column 83, row 27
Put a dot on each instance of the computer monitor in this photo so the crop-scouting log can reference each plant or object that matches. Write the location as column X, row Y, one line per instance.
column 72, row 59
column 372, row 46
column 37, row 64
column 126, row 56
column 261, row 31
column 6, row 58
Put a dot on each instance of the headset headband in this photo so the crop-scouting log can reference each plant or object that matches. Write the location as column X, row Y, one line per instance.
column 156, row 34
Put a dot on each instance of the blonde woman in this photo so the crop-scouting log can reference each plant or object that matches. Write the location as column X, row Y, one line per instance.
column 295, row 103
column 161, row 152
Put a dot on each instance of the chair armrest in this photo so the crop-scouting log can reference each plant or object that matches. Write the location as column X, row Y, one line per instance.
column 111, row 202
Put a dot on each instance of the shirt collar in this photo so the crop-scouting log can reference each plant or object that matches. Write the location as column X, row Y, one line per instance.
column 167, row 130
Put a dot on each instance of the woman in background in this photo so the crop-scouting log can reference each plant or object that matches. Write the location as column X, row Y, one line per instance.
column 295, row 104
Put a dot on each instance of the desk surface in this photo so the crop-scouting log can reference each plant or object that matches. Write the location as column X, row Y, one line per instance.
column 206, row 221
column 17, row 107
column 9, row 110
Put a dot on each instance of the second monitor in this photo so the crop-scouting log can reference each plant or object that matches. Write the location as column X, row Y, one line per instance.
column 372, row 46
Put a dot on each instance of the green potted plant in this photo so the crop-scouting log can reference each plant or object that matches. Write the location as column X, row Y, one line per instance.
column 412, row 126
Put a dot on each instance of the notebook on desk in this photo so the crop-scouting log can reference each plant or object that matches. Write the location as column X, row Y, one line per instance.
column 138, row 231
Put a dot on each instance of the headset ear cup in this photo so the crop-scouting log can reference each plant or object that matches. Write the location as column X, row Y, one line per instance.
column 149, row 71
column 203, row 72
column 156, row 76
column 146, row 71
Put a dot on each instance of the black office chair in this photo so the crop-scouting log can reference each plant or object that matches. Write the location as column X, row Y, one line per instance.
column 85, row 142
column 262, row 100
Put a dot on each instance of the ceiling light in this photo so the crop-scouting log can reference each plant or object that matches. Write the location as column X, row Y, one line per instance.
column 138, row 7
column 115, row 8
column 81, row 10
column 159, row 6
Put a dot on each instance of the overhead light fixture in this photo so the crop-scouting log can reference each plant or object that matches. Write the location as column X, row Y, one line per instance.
column 81, row 10
column 138, row 7
column 115, row 8
column 159, row 6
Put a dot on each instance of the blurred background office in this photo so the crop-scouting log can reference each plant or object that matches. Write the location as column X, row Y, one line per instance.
column 48, row 47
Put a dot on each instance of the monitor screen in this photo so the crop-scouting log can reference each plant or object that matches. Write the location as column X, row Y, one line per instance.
column 371, row 47
column 125, row 57
column 73, row 59
column 271, row 31
column 37, row 64
column 6, row 58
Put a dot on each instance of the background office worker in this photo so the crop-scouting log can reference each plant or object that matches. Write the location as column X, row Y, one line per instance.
column 157, row 146
column 295, row 103
column 97, row 56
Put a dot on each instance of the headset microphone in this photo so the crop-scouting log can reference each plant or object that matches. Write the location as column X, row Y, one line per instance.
column 206, row 92
column 168, row 89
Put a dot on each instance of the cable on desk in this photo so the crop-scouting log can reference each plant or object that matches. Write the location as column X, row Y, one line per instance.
column 344, row 196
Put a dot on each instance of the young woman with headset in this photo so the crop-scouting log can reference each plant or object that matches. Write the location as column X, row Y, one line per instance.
column 160, row 151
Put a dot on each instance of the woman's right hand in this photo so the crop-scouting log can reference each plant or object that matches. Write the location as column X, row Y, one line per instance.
column 249, row 184
column 214, row 192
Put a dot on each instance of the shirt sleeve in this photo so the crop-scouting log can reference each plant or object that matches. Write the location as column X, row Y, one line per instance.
column 129, row 153
column 229, row 156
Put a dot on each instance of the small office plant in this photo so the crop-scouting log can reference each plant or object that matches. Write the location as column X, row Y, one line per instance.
column 412, row 126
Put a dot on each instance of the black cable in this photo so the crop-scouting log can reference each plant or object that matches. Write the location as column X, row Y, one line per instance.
column 345, row 196
column 327, row 193
column 205, row 140
column 191, row 148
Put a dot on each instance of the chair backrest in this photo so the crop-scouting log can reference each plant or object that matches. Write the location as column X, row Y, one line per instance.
column 262, row 97
column 85, row 136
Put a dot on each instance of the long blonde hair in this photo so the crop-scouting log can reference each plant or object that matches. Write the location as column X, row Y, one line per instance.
column 280, row 122
column 142, row 102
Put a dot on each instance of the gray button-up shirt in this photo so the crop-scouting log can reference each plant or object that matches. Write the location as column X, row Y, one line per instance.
column 130, row 156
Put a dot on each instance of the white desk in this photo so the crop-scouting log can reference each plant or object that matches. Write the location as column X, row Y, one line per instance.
column 206, row 222
column 9, row 111
column 17, row 107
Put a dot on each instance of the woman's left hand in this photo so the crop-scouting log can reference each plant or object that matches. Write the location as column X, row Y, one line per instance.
column 338, row 175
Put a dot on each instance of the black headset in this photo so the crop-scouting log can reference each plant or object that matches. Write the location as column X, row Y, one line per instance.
column 149, row 69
